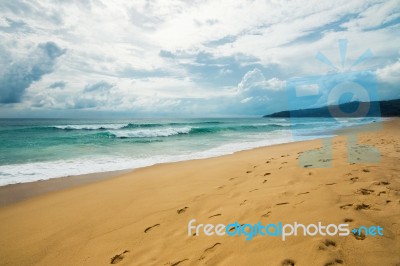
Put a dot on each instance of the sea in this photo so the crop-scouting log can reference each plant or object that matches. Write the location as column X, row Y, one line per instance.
column 38, row 149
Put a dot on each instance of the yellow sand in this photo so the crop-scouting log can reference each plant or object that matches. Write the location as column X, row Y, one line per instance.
column 92, row 224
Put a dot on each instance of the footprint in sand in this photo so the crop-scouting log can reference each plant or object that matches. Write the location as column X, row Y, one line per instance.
column 303, row 193
column 182, row 210
column 253, row 190
column 334, row 262
column 282, row 203
column 243, row 202
column 360, row 236
column 382, row 192
column 178, row 262
column 361, row 206
column 119, row 257
column 266, row 214
column 327, row 243
column 330, row 184
column 366, row 171
column 288, row 262
column 265, row 181
column 381, row 183
column 209, row 250
column 232, row 228
column 346, row 206
column 248, row 172
column 325, row 160
column 365, row 191
column 151, row 227
column 232, row 178
column 354, row 179
column 348, row 220
column 267, row 174
column 215, row 215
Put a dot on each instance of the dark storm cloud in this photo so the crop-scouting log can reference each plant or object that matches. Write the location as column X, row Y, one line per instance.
column 20, row 74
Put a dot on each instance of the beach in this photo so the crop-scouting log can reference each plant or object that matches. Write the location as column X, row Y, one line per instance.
column 141, row 217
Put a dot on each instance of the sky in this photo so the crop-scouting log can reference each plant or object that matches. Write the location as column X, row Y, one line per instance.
column 195, row 58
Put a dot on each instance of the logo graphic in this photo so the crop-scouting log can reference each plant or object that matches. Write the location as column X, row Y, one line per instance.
column 249, row 231
column 350, row 96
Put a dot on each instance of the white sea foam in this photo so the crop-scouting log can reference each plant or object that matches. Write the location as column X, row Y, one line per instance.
column 11, row 174
column 91, row 127
column 150, row 133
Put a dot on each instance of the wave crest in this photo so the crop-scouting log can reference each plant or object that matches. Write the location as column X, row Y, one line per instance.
column 91, row 127
column 150, row 133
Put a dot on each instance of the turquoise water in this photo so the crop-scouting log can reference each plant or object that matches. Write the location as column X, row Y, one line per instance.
column 35, row 149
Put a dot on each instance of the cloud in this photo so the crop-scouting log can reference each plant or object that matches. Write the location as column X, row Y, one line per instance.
column 389, row 81
column 255, row 95
column 95, row 95
column 19, row 75
column 390, row 73
column 58, row 85
column 142, row 19
column 225, row 57
column 256, row 79
column 10, row 25
column 101, row 86
column 376, row 16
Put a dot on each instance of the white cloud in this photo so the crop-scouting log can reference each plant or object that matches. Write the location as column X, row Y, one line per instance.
column 375, row 15
column 123, row 43
column 256, row 79
column 246, row 100
column 390, row 73
column 389, row 81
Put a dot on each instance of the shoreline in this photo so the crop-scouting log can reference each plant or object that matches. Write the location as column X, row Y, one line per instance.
column 141, row 217
column 14, row 193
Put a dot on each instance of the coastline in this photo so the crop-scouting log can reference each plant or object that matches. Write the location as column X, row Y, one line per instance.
column 141, row 217
column 13, row 193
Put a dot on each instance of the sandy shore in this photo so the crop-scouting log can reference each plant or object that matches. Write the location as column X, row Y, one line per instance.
column 18, row 192
column 141, row 218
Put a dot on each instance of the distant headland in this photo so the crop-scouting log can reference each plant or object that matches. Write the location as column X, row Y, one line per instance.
column 375, row 108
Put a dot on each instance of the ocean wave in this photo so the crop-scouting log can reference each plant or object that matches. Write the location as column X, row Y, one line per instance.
column 27, row 172
column 171, row 131
column 91, row 127
column 150, row 133
column 172, row 124
column 130, row 125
